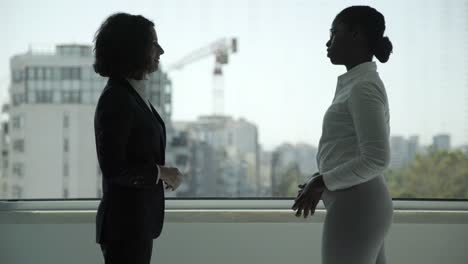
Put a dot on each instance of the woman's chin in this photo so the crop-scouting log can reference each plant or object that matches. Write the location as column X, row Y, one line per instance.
column 155, row 67
column 334, row 61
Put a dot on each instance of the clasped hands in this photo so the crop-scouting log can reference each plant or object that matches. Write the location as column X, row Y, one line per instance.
column 171, row 176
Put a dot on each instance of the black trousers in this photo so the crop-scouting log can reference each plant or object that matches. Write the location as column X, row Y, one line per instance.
column 127, row 251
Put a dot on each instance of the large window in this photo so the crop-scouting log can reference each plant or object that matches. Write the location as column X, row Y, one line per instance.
column 17, row 122
column 18, row 145
column 70, row 73
column 248, row 126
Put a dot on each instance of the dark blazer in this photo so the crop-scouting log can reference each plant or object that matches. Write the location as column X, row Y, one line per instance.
column 130, row 141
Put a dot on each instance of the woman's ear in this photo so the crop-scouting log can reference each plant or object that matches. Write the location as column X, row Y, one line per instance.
column 357, row 33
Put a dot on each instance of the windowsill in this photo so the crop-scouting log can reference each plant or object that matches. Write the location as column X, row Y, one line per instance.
column 224, row 211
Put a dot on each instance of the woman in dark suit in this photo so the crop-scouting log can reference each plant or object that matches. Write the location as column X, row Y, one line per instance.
column 130, row 141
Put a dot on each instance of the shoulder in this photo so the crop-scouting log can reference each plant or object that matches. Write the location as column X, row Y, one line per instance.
column 115, row 90
column 114, row 95
column 367, row 90
column 365, row 86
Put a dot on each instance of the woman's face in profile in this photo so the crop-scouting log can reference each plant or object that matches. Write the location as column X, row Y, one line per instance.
column 156, row 51
column 338, row 46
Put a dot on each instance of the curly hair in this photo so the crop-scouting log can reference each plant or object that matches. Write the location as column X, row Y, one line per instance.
column 122, row 46
column 373, row 23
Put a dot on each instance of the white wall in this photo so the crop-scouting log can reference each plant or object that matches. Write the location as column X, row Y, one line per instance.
column 229, row 236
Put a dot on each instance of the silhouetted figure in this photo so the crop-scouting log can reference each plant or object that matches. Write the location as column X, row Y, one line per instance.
column 130, row 141
column 354, row 147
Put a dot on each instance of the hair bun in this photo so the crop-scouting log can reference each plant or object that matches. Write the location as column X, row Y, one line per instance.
column 383, row 49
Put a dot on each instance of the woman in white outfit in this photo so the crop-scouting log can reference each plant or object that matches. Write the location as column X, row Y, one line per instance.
column 354, row 147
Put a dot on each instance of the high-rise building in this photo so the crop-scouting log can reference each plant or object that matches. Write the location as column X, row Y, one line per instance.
column 52, row 101
column 265, row 189
column 413, row 147
column 224, row 156
column 399, row 152
column 292, row 163
column 306, row 156
column 3, row 159
column 441, row 142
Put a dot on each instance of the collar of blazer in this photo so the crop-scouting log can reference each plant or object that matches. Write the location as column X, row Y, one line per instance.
column 154, row 114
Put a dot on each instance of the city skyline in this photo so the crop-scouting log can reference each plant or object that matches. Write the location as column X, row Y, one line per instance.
column 220, row 155
column 288, row 63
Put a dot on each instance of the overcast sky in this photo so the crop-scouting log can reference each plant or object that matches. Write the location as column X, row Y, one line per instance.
column 280, row 79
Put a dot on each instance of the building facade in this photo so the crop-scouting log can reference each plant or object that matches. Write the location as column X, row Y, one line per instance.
column 51, row 149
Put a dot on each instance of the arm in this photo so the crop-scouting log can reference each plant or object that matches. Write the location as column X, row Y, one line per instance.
column 367, row 107
column 113, row 123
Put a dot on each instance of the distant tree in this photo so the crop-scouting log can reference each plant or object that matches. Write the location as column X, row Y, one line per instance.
column 438, row 174
column 290, row 178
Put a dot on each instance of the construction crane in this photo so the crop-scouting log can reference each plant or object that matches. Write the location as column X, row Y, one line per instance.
column 221, row 49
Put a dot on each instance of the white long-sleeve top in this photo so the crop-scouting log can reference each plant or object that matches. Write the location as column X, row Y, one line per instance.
column 140, row 88
column 354, row 147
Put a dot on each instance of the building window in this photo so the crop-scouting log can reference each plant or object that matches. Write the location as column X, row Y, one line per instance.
column 56, row 74
column 65, row 73
column 4, row 127
column 36, row 73
column 40, row 85
column 17, row 76
column 48, row 73
column 98, row 181
column 86, row 73
column 17, row 169
column 76, row 96
column 75, row 85
column 17, row 122
column 181, row 160
column 56, row 95
column 96, row 97
column 29, row 73
column 66, row 170
column 44, row 96
column 42, row 73
column 5, row 189
column 31, row 98
column 18, row 145
column 66, row 121
column 71, row 97
column 167, row 109
column 86, row 97
column 4, row 163
column 65, row 145
column 17, row 99
column 5, row 166
column 70, row 73
column 155, row 96
column 65, row 193
column 17, row 191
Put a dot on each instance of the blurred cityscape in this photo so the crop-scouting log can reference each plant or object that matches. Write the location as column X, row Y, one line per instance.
column 48, row 150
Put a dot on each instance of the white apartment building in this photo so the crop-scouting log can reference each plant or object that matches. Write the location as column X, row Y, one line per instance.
column 51, row 150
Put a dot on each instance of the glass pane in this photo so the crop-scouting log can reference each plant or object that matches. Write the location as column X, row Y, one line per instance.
column 243, row 89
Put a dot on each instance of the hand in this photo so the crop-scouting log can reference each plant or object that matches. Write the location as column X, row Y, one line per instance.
column 171, row 176
column 308, row 196
column 302, row 186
